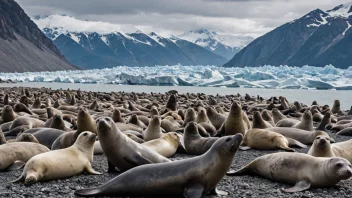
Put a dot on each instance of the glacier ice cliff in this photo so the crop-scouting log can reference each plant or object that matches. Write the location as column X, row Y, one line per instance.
column 282, row 77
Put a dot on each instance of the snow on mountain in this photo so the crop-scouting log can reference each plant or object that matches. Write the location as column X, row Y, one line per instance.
column 104, row 45
column 343, row 10
column 318, row 38
column 206, row 38
column 64, row 23
column 226, row 45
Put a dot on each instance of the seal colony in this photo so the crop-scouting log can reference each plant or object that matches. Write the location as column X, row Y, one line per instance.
column 185, row 143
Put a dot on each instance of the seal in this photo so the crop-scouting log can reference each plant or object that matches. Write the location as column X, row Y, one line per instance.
column 322, row 148
column 305, row 137
column 298, row 169
column 267, row 117
column 58, row 123
column 116, row 116
column 215, row 118
column 121, row 151
column 26, row 137
column 46, row 136
column 287, row 122
column 336, row 108
column 194, row 143
column 7, row 114
column 2, row 137
column 153, row 131
column 21, row 124
column 166, row 145
column 325, row 121
column 84, row 123
column 193, row 177
column 135, row 138
column 62, row 163
column 234, row 123
column 345, row 132
column 277, row 115
column 14, row 155
column 267, row 140
column 189, row 116
column 172, row 103
column 202, row 115
column 259, row 122
column 169, row 124
column 134, row 120
column 306, row 122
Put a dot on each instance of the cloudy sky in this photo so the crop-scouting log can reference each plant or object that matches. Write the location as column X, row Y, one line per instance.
column 241, row 17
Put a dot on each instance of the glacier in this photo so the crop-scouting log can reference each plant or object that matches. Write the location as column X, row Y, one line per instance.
column 271, row 77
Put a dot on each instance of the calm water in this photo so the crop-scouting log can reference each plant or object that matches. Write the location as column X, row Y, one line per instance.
column 304, row 96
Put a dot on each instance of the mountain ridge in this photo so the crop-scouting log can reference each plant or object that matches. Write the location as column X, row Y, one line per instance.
column 139, row 49
column 23, row 46
column 309, row 40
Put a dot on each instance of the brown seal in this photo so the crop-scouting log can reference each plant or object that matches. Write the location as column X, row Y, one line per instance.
column 234, row 123
column 153, row 131
column 306, row 122
column 194, row 143
column 120, row 150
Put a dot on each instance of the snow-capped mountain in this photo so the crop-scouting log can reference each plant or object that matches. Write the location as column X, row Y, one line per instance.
column 226, row 45
column 100, row 44
column 318, row 38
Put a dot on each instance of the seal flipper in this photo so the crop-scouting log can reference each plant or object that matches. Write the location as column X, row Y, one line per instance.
column 15, row 166
column 215, row 191
column 293, row 142
column 194, row 191
column 221, row 131
column 287, row 148
column 300, row 186
column 17, row 130
column 111, row 168
column 137, row 160
column 245, row 148
column 88, row 192
column 243, row 171
column 20, row 179
column 90, row 170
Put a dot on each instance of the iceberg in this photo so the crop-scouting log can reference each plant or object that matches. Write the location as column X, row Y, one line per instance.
column 273, row 77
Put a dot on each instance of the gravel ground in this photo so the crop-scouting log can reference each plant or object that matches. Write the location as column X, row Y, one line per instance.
column 244, row 186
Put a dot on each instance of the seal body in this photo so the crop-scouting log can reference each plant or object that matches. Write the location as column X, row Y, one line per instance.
column 194, row 143
column 305, row 137
column 192, row 177
column 267, row 140
column 302, row 170
column 166, row 145
column 322, row 148
column 61, row 163
column 121, row 151
column 19, row 151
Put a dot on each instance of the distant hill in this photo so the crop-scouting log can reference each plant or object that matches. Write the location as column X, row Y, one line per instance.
column 318, row 38
column 23, row 47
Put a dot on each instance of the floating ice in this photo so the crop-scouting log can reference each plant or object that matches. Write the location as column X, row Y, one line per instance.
column 281, row 77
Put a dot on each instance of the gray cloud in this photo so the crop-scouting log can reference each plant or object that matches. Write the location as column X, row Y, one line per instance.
column 249, row 17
